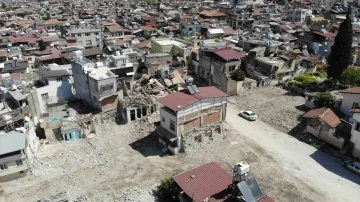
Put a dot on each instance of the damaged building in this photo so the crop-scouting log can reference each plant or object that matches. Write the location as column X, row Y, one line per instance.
column 94, row 83
column 190, row 116
column 134, row 107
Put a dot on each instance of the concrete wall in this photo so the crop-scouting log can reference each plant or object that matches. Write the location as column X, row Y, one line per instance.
column 355, row 136
column 327, row 136
column 347, row 103
column 165, row 118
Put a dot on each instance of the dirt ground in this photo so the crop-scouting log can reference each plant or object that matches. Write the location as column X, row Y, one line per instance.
column 274, row 105
column 124, row 162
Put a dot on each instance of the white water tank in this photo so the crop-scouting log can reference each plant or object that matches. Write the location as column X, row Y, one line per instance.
column 242, row 168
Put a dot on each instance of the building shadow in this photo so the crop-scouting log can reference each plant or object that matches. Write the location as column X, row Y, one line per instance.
column 148, row 146
column 334, row 165
column 302, row 108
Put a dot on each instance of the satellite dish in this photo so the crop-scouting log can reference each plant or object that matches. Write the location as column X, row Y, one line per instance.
column 41, row 120
column 27, row 118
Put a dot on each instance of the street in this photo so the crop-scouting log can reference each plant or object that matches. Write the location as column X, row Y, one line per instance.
column 320, row 170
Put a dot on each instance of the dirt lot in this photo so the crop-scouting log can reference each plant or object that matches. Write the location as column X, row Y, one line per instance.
column 273, row 105
column 123, row 163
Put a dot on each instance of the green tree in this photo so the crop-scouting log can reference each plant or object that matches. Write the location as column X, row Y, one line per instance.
column 276, row 30
column 167, row 189
column 341, row 56
column 350, row 77
column 324, row 100
column 238, row 75
column 3, row 5
column 150, row 1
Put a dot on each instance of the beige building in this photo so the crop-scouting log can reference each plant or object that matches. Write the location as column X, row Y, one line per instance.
column 174, row 47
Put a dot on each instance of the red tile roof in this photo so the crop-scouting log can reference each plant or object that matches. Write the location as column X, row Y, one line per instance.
column 355, row 90
column 179, row 100
column 228, row 31
column 227, row 53
column 204, row 181
column 327, row 35
column 325, row 114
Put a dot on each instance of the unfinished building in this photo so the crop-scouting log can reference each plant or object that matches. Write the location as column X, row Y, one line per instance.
column 191, row 115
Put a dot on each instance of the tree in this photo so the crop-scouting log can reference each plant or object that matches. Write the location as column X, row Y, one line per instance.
column 350, row 77
column 324, row 100
column 3, row 5
column 167, row 189
column 341, row 56
column 238, row 75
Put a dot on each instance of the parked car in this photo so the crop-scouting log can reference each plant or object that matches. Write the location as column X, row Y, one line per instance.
column 248, row 115
column 352, row 165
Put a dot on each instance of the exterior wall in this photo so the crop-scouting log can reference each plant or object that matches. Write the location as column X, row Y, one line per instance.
column 355, row 136
column 114, row 35
column 347, row 103
column 82, row 38
column 165, row 118
column 81, row 84
column 13, row 170
column 55, row 89
column 326, row 135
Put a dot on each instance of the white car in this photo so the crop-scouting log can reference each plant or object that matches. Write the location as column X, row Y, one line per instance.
column 352, row 165
column 248, row 115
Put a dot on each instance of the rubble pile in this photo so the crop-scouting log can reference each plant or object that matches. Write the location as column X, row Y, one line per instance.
column 272, row 105
column 137, row 195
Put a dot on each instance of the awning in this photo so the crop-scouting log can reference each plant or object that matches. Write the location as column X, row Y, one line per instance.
column 137, row 31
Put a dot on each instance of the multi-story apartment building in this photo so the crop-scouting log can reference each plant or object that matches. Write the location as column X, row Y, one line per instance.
column 94, row 83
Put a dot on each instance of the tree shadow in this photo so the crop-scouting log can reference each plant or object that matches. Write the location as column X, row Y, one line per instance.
column 334, row 165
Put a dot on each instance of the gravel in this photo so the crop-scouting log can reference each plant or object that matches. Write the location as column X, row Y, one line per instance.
column 273, row 105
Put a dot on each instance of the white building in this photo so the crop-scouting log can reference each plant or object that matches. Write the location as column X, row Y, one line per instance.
column 13, row 163
column 87, row 37
column 351, row 100
column 355, row 134
column 94, row 83
column 297, row 14
column 55, row 87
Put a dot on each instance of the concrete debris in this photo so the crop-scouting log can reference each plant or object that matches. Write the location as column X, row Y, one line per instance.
column 64, row 197
column 138, row 195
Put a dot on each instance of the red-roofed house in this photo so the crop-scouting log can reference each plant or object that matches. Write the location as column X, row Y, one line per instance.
column 216, row 66
column 210, row 182
column 186, row 115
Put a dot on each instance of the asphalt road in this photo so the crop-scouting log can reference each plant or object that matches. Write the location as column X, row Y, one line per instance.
column 322, row 171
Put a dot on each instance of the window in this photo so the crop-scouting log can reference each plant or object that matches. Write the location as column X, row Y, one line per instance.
column 88, row 42
column 357, row 126
column 96, row 87
column 79, row 35
column 232, row 68
column 94, row 98
column 87, row 34
column 107, row 88
column 3, row 167
column 163, row 119
column 96, row 33
column 58, row 79
column 45, row 96
column 355, row 105
column 172, row 125
column 19, row 163
column 30, row 59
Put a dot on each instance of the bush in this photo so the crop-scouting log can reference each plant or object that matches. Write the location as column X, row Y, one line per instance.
column 306, row 79
column 167, row 189
column 238, row 75
column 324, row 100
column 296, row 84
column 350, row 77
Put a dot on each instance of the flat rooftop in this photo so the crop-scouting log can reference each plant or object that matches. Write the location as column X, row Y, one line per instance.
column 102, row 73
column 170, row 42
